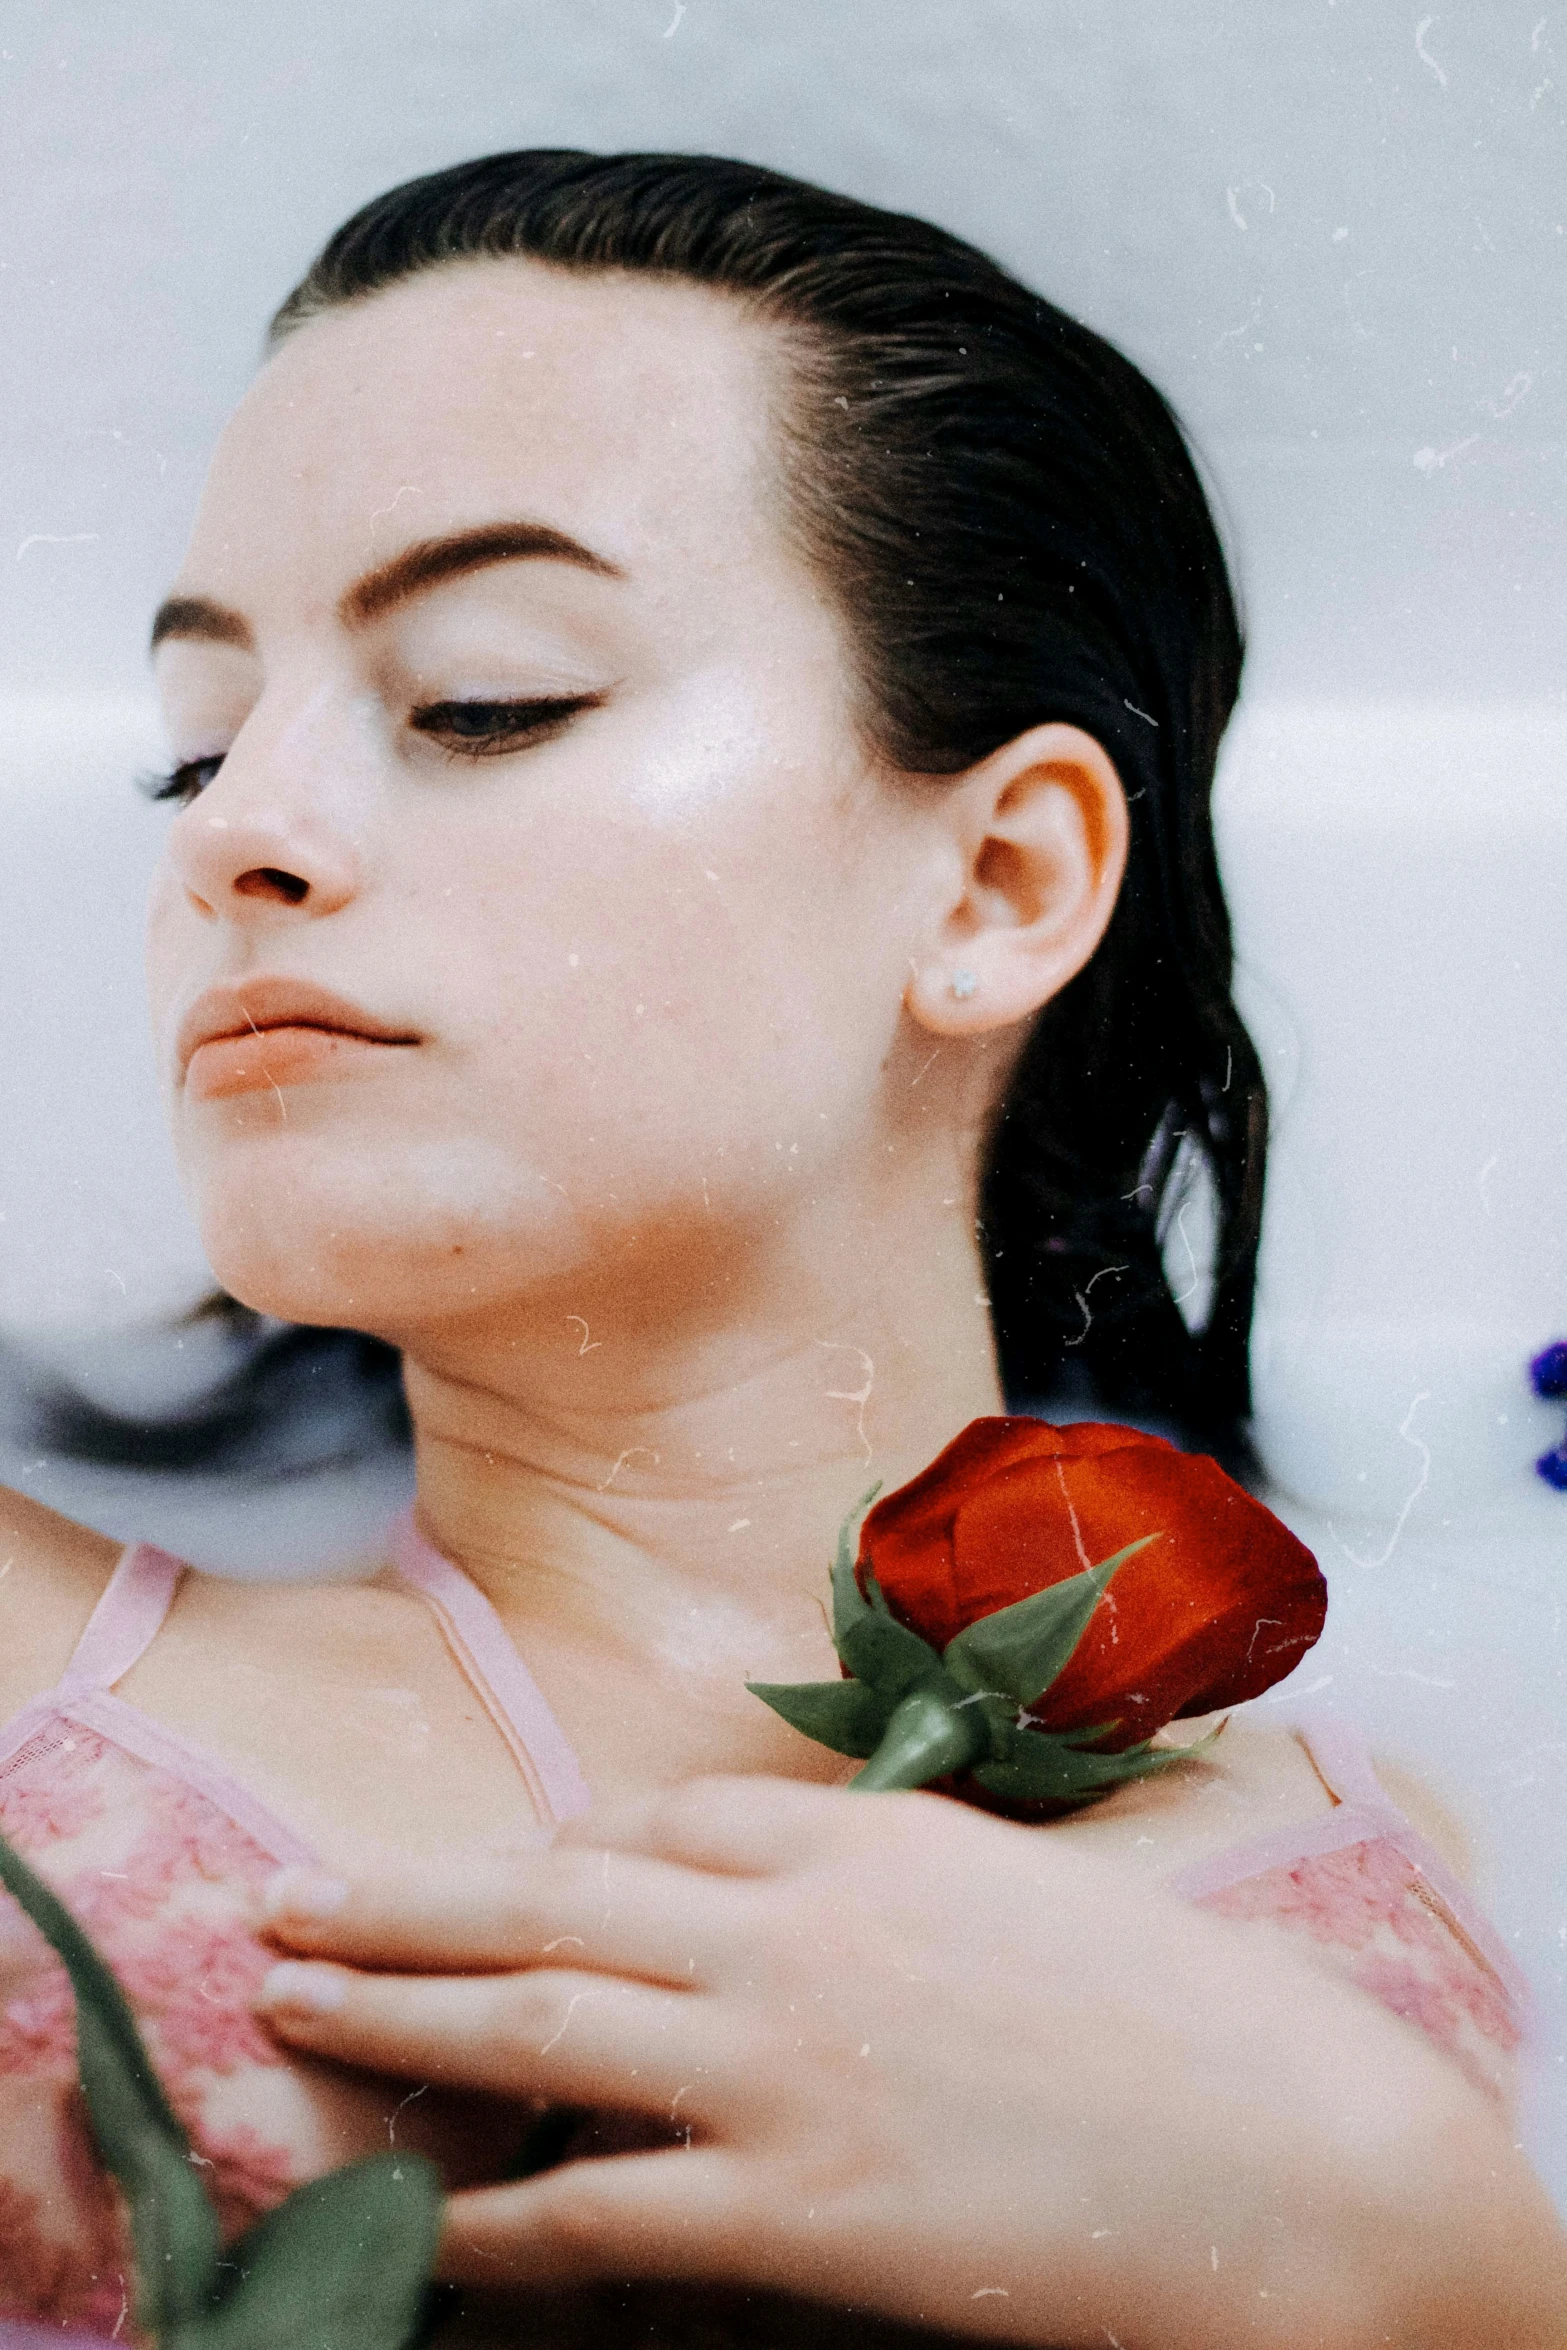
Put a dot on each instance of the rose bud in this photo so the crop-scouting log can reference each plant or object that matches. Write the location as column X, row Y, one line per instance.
column 982, row 1643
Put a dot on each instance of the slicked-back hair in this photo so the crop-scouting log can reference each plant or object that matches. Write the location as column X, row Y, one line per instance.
column 1012, row 527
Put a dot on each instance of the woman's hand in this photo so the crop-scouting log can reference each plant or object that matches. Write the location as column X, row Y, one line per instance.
column 937, row 2065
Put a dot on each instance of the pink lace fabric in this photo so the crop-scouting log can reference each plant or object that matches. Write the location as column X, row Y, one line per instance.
column 162, row 1857
column 1381, row 1906
column 167, row 1888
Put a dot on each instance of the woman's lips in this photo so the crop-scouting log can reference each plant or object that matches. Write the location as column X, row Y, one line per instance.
column 269, row 1058
column 271, row 1031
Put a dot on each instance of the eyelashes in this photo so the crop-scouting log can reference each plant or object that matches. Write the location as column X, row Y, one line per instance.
column 486, row 730
column 465, row 730
column 180, row 783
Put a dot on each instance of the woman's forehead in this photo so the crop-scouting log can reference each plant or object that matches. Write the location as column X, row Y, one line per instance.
column 631, row 412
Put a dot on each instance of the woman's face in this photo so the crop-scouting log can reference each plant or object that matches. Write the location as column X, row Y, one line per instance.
column 523, row 740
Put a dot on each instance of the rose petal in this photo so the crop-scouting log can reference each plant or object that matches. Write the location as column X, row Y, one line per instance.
column 1215, row 1611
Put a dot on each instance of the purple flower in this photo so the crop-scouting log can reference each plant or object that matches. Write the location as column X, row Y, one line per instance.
column 1552, row 1466
column 1548, row 1372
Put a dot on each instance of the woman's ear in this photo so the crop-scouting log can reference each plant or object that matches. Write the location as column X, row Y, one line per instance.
column 1041, row 831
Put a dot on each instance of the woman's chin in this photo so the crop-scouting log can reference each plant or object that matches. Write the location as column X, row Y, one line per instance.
column 347, row 1264
column 431, row 1237
column 290, row 1294
column 281, row 1255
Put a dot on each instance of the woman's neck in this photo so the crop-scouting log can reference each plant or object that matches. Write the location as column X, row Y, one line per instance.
column 670, row 1481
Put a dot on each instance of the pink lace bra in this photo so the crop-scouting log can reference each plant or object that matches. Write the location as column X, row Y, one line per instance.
column 162, row 1855
column 1382, row 1906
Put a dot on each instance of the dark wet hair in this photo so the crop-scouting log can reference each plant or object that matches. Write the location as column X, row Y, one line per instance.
column 294, row 1402
column 1013, row 529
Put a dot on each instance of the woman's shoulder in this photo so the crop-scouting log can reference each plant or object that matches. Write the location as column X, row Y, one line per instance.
column 1253, row 1777
column 1271, row 1763
column 52, row 1575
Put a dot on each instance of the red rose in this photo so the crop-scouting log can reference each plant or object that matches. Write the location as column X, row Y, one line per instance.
column 1031, row 1608
column 1224, row 1604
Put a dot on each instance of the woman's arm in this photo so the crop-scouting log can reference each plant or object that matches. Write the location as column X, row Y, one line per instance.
column 944, row 2067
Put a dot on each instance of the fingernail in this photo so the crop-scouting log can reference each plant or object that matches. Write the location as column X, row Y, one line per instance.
column 303, row 1988
column 303, row 1894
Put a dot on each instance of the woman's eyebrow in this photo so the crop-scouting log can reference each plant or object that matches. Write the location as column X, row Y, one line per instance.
column 429, row 561
column 197, row 619
column 424, row 565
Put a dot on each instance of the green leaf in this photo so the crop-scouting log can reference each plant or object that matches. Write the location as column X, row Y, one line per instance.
column 845, row 1715
column 344, row 2264
column 1023, row 1648
column 174, row 2228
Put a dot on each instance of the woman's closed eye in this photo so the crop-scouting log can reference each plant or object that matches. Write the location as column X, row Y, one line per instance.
column 465, row 729
column 183, row 781
column 480, row 730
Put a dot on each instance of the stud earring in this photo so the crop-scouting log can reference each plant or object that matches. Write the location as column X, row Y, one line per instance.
column 964, row 983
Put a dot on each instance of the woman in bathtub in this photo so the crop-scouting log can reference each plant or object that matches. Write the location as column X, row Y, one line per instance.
column 693, row 708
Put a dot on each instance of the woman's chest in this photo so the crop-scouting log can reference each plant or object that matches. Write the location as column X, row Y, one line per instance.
column 343, row 1712
column 168, row 1886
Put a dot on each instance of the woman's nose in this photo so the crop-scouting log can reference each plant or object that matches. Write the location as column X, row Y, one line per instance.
column 255, row 845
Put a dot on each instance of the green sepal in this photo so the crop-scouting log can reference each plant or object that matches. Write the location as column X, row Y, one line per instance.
column 1053, row 1766
column 345, row 2261
column 174, row 2229
column 870, row 1641
column 880, row 1650
column 1022, row 1648
column 848, row 1602
column 1064, row 1774
column 1197, row 1746
column 848, row 1716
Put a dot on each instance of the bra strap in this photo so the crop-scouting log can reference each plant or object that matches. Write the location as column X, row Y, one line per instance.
column 125, row 1621
column 488, row 1658
column 1342, row 1757
column 1364, row 1812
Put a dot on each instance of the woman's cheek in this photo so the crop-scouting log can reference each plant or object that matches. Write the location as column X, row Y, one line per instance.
column 163, row 955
